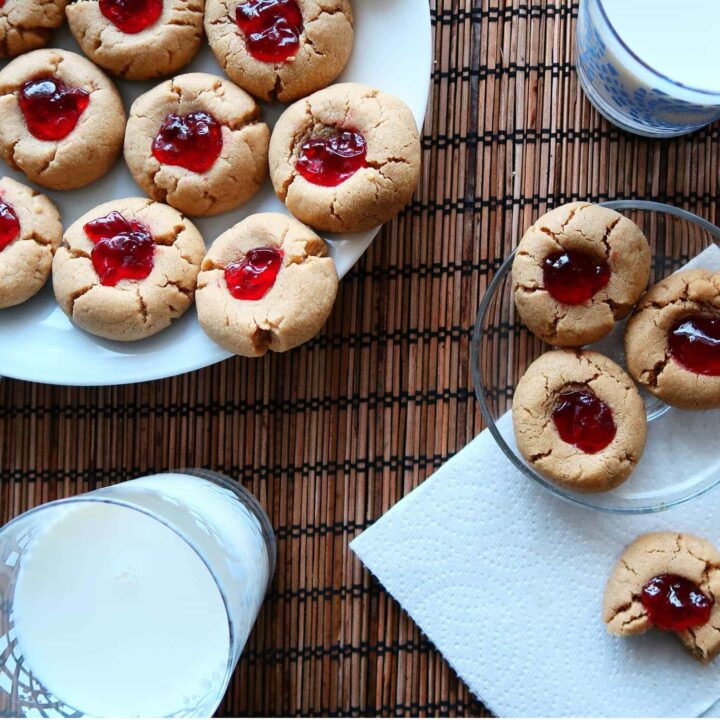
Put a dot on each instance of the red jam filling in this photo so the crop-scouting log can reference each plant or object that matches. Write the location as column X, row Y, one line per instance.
column 694, row 342
column 253, row 276
column 675, row 603
column 193, row 141
column 9, row 224
column 124, row 250
column 51, row 108
column 330, row 160
column 583, row 420
column 573, row 277
column 272, row 28
column 132, row 16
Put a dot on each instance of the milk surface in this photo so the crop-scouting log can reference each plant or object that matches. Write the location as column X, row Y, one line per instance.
column 677, row 38
column 117, row 615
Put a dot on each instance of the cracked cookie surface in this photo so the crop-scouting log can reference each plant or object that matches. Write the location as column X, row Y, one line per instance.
column 597, row 232
column 374, row 194
column 28, row 24
column 685, row 293
column 325, row 44
column 538, row 439
column 294, row 308
column 131, row 309
column 164, row 47
column 89, row 150
column 26, row 261
column 241, row 166
column 657, row 554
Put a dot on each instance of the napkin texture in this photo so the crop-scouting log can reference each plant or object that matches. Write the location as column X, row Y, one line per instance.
column 507, row 581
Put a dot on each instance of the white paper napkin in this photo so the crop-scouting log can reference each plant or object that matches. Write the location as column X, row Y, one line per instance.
column 507, row 581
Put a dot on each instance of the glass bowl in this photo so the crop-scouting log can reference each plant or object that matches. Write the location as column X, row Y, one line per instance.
column 669, row 473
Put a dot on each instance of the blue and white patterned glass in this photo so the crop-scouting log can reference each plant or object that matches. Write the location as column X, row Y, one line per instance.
column 626, row 90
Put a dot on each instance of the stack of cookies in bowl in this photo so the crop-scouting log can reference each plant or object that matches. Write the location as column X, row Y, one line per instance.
column 579, row 418
column 341, row 158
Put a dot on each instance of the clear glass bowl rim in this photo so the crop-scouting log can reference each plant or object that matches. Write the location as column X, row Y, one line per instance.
column 479, row 385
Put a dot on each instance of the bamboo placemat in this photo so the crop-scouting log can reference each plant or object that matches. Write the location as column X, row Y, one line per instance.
column 330, row 436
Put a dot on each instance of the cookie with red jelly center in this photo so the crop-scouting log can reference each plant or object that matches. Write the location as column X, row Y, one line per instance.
column 138, row 39
column 272, row 28
column 127, row 269
column 345, row 159
column 30, row 231
column 668, row 581
column 579, row 420
column 192, row 141
column 51, row 108
column 329, row 160
column 267, row 284
column 132, row 16
column 252, row 277
column 124, row 249
column 577, row 270
column 62, row 121
column 27, row 25
column 280, row 49
column 672, row 340
column 203, row 162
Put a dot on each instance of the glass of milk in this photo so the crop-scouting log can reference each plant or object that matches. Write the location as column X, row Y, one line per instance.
column 132, row 600
column 651, row 66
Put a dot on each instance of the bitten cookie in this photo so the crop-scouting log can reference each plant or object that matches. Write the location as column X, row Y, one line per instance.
column 30, row 232
column 672, row 341
column 28, row 24
column 138, row 40
column 197, row 143
column 127, row 268
column 577, row 270
column 266, row 284
column 280, row 49
column 579, row 420
column 670, row 581
column 61, row 119
column 345, row 159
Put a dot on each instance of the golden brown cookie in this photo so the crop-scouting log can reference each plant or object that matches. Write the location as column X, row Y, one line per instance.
column 577, row 270
column 30, row 232
column 197, row 143
column 147, row 39
column 28, row 24
column 667, row 580
column 266, row 284
column 672, row 341
column 345, row 159
column 579, row 420
column 280, row 49
column 61, row 119
column 127, row 268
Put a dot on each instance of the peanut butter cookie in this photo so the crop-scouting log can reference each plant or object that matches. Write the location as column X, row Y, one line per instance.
column 670, row 581
column 30, row 232
column 672, row 341
column 266, row 284
column 28, row 24
column 127, row 268
column 197, row 143
column 280, row 49
column 139, row 40
column 579, row 420
column 345, row 159
column 577, row 270
column 61, row 119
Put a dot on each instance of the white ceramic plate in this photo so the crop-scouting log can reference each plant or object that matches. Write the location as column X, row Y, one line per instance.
column 392, row 51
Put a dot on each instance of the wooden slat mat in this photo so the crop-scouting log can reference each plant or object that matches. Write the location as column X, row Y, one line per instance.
column 332, row 435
